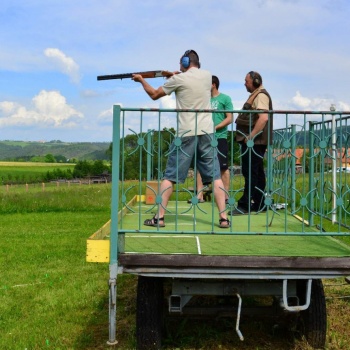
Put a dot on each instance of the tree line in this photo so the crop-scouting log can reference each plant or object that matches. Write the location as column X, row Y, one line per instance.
column 146, row 153
column 82, row 169
column 140, row 155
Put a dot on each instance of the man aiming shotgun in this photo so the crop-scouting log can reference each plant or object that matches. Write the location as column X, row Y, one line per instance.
column 195, row 130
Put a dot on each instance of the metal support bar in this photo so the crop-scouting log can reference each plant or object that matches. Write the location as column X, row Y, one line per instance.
column 112, row 312
column 240, row 335
column 298, row 307
column 112, row 304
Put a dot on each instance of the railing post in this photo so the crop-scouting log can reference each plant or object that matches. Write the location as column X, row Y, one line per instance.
column 311, row 173
column 269, row 175
column 334, row 169
column 149, row 155
column 293, row 168
column 113, row 262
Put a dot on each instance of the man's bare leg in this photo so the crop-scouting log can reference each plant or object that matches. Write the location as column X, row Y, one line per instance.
column 166, row 189
column 225, row 176
column 219, row 195
column 200, row 186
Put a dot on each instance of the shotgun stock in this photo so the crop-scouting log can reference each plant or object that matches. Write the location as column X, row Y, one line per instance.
column 148, row 74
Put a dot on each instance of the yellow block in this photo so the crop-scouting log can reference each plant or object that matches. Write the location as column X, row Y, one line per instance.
column 98, row 244
column 97, row 251
column 140, row 198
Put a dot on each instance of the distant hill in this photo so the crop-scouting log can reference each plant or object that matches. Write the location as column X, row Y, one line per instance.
column 17, row 150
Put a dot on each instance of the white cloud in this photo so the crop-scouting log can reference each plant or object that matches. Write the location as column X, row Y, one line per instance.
column 52, row 106
column 64, row 63
column 50, row 110
column 106, row 116
column 342, row 106
column 300, row 101
column 167, row 102
column 7, row 107
column 317, row 103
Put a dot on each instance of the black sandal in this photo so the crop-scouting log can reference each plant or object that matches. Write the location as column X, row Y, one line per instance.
column 155, row 222
column 226, row 221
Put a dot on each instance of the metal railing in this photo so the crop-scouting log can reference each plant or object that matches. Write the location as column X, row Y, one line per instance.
column 312, row 160
column 306, row 147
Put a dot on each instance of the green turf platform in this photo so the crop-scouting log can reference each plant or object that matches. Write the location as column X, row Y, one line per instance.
column 204, row 218
column 309, row 246
column 195, row 231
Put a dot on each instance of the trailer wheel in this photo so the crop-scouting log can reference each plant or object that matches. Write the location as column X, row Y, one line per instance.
column 313, row 321
column 149, row 313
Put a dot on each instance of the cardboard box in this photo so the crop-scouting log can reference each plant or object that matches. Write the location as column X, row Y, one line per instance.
column 151, row 192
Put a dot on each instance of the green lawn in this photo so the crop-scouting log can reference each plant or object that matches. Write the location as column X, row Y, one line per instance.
column 51, row 298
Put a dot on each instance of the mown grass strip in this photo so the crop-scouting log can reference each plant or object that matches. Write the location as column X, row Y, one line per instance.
column 49, row 296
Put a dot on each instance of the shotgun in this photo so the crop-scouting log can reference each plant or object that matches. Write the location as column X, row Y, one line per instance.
column 148, row 74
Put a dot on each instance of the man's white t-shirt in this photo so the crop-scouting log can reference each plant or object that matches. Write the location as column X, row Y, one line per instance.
column 193, row 91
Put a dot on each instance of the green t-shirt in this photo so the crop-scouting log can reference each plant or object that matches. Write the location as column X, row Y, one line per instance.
column 221, row 102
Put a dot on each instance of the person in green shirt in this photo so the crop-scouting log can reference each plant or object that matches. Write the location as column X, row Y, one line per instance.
column 219, row 101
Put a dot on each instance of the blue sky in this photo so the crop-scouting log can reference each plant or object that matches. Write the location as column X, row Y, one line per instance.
column 53, row 50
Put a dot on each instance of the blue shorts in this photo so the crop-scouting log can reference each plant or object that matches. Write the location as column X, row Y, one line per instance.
column 202, row 149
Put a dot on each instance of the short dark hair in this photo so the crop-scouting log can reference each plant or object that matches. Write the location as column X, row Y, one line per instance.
column 194, row 58
column 215, row 80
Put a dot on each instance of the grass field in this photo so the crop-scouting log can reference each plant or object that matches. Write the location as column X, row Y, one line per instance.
column 50, row 298
column 28, row 172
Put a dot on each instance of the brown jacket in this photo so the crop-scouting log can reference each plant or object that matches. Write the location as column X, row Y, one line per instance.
column 246, row 121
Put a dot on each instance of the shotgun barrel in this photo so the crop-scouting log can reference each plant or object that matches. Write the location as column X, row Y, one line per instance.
column 147, row 74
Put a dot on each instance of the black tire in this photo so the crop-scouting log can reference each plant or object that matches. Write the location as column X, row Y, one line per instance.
column 149, row 313
column 313, row 321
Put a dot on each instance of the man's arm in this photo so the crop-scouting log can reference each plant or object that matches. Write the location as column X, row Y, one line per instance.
column 261, row 102
column 227, row 121
column 228, row 106
column 259, row 125
column 153, row 93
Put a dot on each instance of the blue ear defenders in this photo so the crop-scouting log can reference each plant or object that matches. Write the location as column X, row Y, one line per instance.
column 185, row 60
